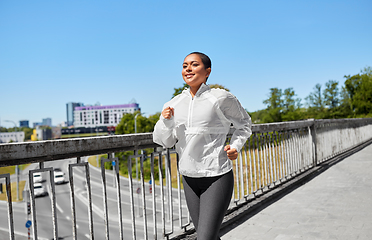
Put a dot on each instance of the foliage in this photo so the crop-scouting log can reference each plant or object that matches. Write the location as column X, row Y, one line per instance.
column 354, row 99
column 180, row 89
column 144, row 124
column 359, row 90
column 127, row 126
column 281, row 106
column 28, row 132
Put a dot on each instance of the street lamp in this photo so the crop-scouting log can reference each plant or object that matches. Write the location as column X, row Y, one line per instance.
column 135, row 122
column 16, row 168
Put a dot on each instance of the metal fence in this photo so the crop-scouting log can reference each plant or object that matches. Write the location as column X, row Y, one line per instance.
column 156, row 209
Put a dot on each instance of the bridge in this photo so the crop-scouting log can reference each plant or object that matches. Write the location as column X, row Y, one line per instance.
column 269, row 200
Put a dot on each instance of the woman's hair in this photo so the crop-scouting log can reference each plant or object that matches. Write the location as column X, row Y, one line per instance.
column 205, row 59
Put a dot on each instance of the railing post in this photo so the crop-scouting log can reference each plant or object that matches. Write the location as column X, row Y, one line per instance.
column 312, row 130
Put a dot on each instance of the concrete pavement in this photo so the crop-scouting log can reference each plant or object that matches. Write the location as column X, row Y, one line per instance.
column 336, row 204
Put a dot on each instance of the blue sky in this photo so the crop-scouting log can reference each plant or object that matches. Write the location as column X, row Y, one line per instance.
column 54, row 52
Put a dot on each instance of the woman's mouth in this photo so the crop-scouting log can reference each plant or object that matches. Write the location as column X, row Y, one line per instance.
column 189, row 75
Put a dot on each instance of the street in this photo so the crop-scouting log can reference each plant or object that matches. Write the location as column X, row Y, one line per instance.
column 64, row 212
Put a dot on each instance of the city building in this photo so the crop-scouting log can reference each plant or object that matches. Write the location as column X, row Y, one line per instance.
column 41, row 134
column 70, row 108
column 35, row 124
column 93, row 116
column 6, row 137
column 46, row 122
column 23, row 123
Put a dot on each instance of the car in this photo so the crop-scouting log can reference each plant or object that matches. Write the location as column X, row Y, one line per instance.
column 59, row 177
column 39, row 190
column 38, row 178
column 57, row 170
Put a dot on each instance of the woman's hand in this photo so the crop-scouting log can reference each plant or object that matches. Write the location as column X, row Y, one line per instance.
column 232, row 153
column 168, row 112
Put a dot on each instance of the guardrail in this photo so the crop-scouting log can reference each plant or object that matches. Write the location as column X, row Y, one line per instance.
column 273, row 154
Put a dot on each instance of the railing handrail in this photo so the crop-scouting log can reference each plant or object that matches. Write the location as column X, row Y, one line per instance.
column 28, row 152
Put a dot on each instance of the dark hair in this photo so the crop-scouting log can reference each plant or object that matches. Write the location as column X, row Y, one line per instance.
column 205, row 59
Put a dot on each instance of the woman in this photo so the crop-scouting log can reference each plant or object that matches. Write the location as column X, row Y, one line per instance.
column 197, row 121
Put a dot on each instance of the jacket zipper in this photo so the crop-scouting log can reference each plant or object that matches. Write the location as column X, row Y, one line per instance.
column 191, row 106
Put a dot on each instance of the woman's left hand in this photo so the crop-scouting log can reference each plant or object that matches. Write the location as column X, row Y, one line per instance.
column 232, row 153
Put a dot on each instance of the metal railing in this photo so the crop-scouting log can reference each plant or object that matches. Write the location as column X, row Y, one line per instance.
column 273, row 154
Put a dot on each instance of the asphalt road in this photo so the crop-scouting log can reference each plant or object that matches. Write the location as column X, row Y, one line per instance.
column 64, row 212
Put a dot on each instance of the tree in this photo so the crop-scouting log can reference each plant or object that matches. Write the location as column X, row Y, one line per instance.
column 291, row 106
column 330, row 94
column 359, row 89
column 28, row 132
column 315, row 98
column 274, row 106
column 180, row 89
column 126, row 125
column 218, row 86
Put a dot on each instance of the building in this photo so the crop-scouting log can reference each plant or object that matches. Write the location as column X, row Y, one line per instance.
column 46, row 122
column 23, row 123
column 36, row 124
column 93, row 116
column 70, row 108
column 6, row 137
column 41, row 134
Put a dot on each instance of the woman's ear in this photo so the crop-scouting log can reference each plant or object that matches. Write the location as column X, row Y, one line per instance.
column 208, row 71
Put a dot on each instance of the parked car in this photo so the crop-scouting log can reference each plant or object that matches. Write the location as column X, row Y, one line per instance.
column 57, row 169
column 39, row 190
column 59, row 177
column 38, row 178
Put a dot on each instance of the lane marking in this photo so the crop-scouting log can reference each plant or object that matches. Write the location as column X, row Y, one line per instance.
column 59, row 208
column 20, row 233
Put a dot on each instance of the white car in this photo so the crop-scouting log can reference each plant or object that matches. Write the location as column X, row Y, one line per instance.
column 38, row 178
column 39, row 190
column 59, row 177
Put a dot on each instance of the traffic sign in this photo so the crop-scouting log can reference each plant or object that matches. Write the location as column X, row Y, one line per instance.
column 113, row 163
column 28, row 224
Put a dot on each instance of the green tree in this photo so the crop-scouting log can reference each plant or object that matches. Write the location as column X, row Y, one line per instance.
column 315, row 98
column 28, row 132
column 126, row 126
column 274, row 106
column 331, row 94
column 291, row 106
column 143, row 123
column 359, row 89
column 180, row 89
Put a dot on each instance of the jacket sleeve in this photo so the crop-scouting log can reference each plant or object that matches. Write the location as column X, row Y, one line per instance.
column 240, row 119
column 164, row 132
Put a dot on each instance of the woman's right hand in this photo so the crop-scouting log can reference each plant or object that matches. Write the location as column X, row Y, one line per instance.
column 168, row 112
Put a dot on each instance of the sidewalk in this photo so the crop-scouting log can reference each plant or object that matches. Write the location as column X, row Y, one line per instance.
column 337, row 204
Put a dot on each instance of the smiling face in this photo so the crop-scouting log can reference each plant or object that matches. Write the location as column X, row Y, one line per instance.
column 194, row 72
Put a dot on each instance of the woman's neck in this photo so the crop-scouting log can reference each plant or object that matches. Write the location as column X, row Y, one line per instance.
column 194, row 90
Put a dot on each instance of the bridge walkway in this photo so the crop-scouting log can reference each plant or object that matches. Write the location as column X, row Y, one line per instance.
column 336, row 204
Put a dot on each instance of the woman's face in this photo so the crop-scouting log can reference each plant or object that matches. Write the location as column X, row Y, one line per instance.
column 194, row 72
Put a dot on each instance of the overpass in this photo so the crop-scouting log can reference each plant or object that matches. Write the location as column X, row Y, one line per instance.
column 277, row 159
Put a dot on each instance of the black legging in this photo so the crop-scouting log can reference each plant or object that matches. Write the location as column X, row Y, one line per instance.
column 208, row 199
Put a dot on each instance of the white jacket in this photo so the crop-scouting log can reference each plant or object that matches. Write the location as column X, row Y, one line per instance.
column 199, row 128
